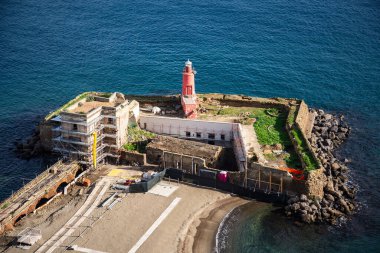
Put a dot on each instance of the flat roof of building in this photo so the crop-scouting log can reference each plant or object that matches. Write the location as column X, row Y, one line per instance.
column 85, row 107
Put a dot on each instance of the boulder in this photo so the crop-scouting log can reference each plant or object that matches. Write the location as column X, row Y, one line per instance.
column 328, row 116
column 304, row 205
column 343, row 204
column 306, row 218
column 334, row 129
column 335, row 166
column 295, row 207
column 330, row 197
column 303, row 198
column 293, row 200
column 314, row 207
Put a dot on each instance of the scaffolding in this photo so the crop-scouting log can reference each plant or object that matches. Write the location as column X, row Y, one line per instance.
column 68, row 144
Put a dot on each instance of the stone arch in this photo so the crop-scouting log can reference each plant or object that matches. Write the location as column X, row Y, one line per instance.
column 80, row 170
column 20, row 217
column 41, row 202
column 61, row 187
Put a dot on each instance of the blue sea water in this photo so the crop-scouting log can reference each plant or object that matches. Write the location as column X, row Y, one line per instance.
column 327, row 52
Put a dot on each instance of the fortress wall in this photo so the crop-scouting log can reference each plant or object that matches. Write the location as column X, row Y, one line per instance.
column 289, row 185
column 315, row 183
column 304, row 118
column 239, row 100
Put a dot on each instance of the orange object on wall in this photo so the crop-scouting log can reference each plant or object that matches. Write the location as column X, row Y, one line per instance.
column 296, row 174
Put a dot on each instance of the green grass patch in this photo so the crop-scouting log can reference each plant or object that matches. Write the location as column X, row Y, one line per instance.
column 136, row 146
column 269, row 125
column 5, row 205
column 270, row 157
column 80, row 97
column 271, row 129
column 307, row 157
column 138, row 139
column 135, row 134
column 68, row 104
column 292, row 115
column 292, row 160
column 104, row 94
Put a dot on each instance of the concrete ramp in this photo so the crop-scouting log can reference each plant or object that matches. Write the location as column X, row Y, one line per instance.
column 251, row 143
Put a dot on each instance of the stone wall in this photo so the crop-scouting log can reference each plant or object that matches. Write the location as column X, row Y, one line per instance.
column 46, row 192
column 290, row 186
column 315, row 182
column 132, row 157
column 46, row 135
column 304, row 119
column 240, row 100
column 166, row 159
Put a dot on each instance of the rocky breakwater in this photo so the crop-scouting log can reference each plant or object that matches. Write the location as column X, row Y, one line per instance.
column 31, row 147
column 338, row 197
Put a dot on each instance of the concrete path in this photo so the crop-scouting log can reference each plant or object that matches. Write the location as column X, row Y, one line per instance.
column 155, row 225
column 251, row 142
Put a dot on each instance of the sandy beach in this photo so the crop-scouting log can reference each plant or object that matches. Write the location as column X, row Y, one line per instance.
column 191, row 219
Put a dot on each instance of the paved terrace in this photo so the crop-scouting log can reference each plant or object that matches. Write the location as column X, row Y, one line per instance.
column 26, row 199
column 85, row 107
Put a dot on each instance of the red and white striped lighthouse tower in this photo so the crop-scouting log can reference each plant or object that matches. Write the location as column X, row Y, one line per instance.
column 188, row 98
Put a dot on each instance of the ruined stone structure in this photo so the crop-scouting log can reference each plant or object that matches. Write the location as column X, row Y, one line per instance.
column 183, row 154
column 36, row 193
column 215, row 133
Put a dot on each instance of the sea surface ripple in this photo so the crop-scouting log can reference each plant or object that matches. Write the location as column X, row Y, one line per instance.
column 327, row 52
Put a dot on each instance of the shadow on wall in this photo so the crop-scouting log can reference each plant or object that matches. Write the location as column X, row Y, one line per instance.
column 227, row 160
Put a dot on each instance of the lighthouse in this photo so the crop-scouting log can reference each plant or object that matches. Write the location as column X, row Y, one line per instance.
column 188, row 98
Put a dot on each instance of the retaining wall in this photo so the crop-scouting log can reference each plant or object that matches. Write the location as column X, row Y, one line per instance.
column 132, row 157
column 304, row 119
column 48, row 190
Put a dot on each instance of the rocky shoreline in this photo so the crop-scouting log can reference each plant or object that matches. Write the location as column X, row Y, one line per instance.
column 338, row 201
column 31, row 147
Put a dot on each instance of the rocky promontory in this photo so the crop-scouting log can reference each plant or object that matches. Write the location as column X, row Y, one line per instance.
column 31, row 147
column 338, row 200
